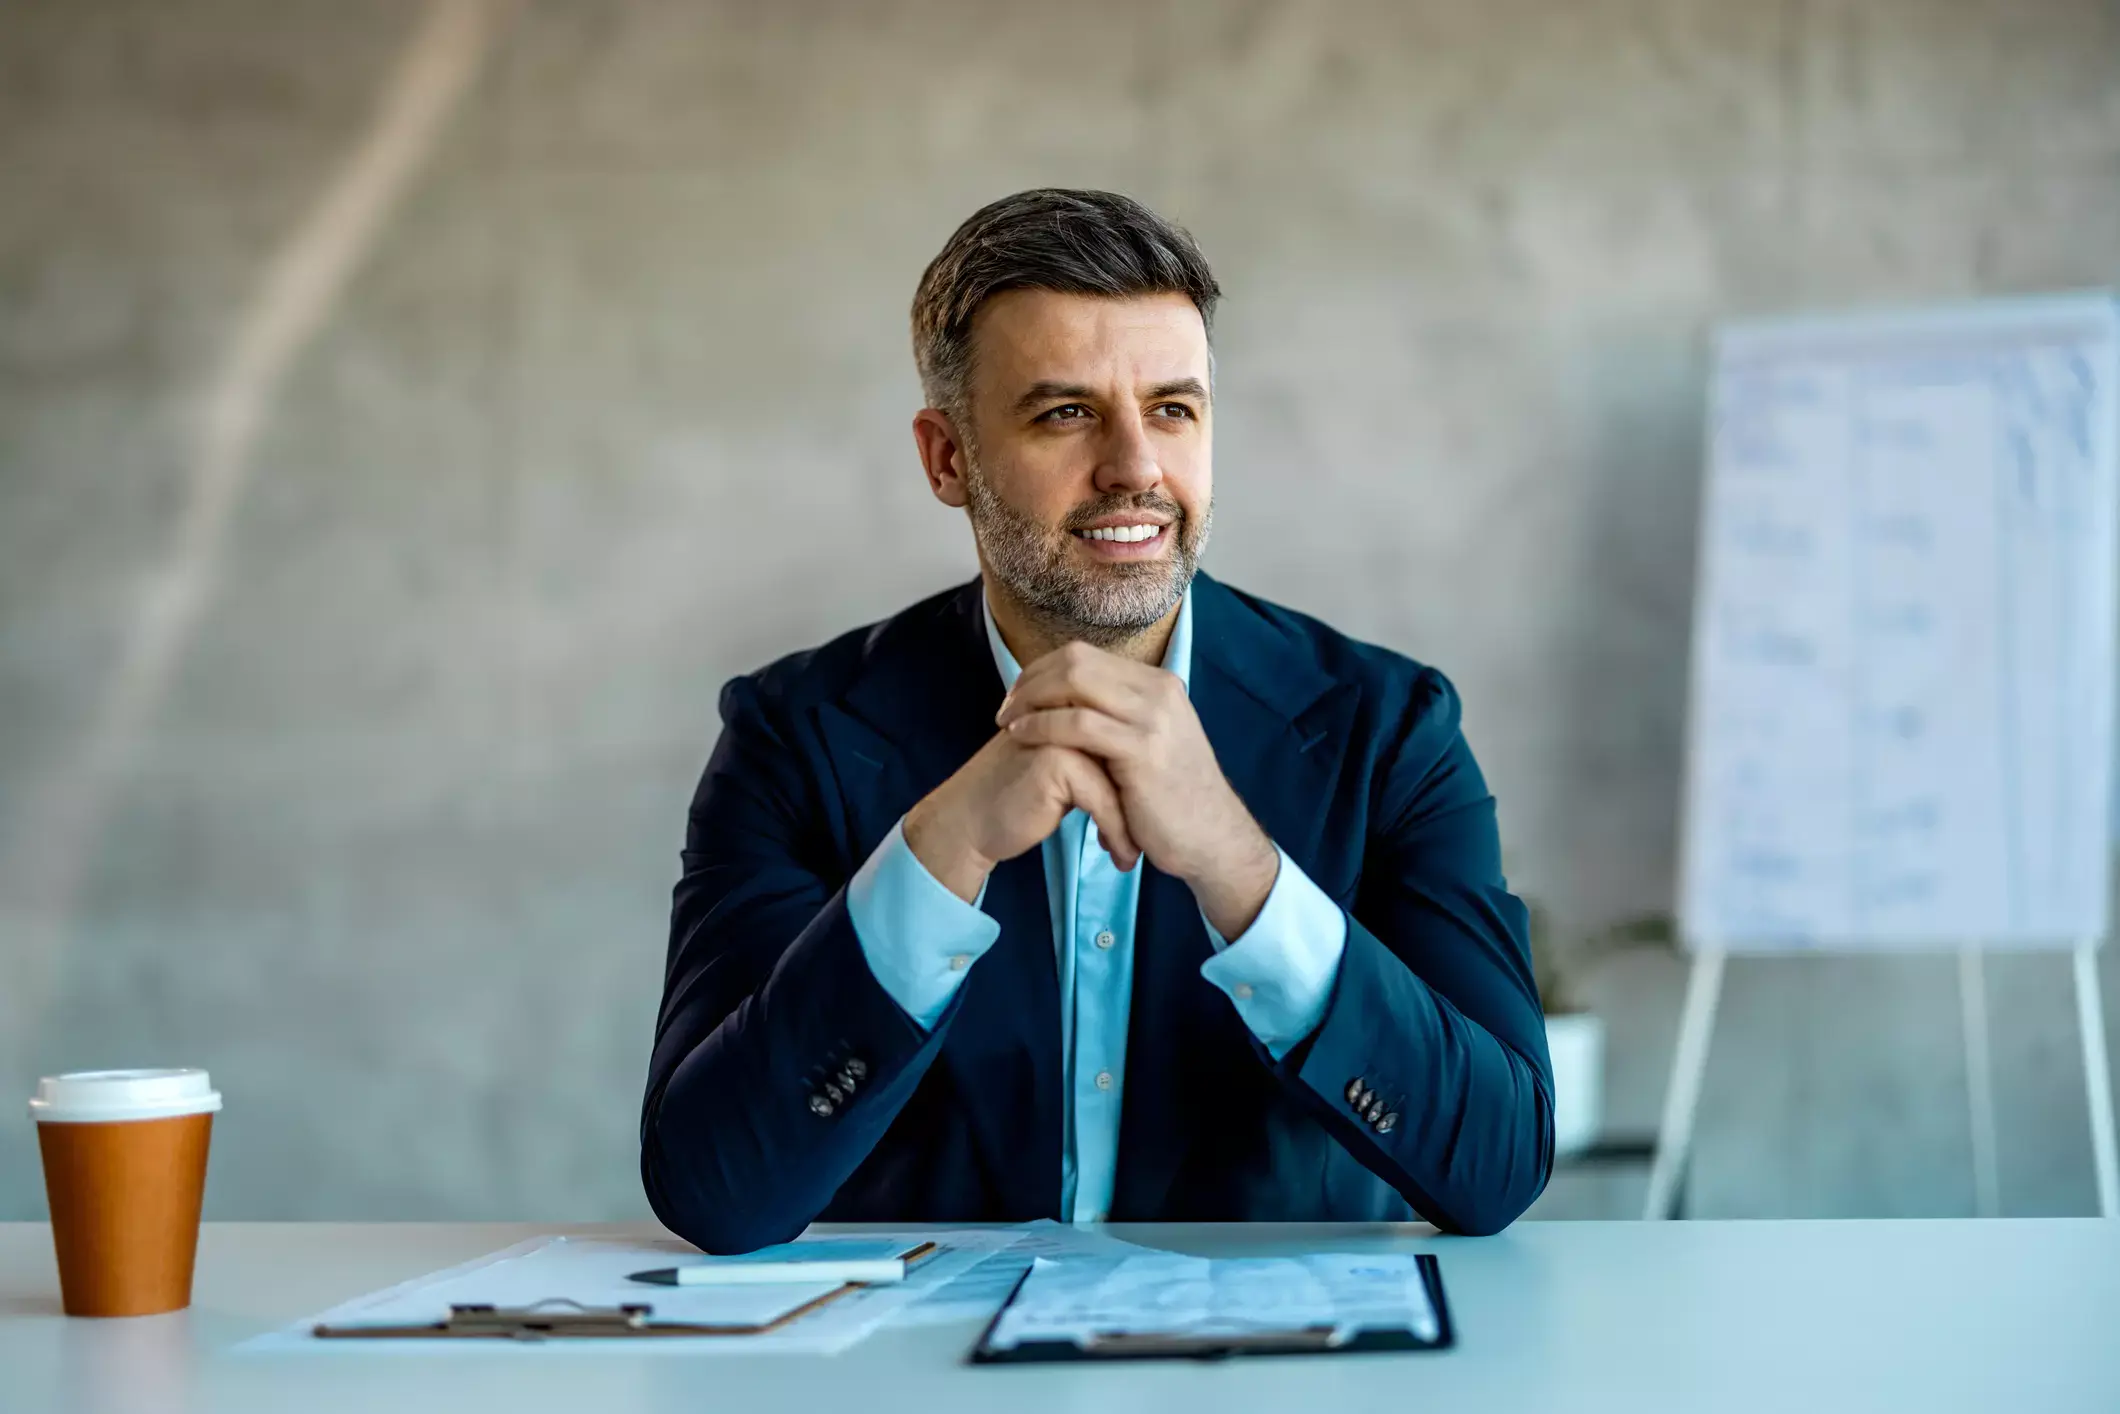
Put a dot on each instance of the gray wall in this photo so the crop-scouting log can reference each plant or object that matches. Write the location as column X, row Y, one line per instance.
column 616, row 405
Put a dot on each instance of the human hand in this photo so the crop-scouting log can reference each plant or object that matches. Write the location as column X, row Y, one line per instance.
column 1138, row 722
column 1007, row 798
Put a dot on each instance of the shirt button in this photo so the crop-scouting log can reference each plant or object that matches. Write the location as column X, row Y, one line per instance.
column 1242, row 991
column 1106, row 938
column 959, row 961
column 1104, row 1080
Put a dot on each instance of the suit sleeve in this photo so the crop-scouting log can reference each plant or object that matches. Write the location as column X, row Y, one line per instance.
column 1430, row 1063
column 1279, row 974
column 779, row 1058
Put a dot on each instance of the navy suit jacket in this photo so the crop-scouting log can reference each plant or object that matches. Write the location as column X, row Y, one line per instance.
column 1348, row 755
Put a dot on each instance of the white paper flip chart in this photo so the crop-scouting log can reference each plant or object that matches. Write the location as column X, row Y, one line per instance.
column 1903, row 675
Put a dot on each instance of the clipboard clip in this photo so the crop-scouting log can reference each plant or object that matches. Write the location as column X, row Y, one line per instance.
column 544, row 1319
column 541, row 1320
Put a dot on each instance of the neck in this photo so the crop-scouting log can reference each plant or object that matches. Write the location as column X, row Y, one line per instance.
column 1031, row 635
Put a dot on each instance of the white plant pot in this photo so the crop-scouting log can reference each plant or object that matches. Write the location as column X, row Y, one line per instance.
column 1577, row 1043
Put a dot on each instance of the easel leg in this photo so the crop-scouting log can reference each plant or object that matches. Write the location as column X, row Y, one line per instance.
column 1674, row 1136
column 1979, row 1082
column 2097, row 1079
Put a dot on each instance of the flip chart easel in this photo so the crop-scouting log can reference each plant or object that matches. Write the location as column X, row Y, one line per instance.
column 1902, row 707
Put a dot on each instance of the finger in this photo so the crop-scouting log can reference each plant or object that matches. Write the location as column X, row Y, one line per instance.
column 1083, row 728
column 1080, row 676
column 1091, row 790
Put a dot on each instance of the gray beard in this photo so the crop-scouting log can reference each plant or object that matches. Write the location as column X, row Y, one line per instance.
column 1103, row 605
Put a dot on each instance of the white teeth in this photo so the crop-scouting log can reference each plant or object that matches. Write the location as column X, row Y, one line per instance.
column 1124, row 533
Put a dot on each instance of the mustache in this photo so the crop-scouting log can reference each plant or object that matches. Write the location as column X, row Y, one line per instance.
column 1081, row 517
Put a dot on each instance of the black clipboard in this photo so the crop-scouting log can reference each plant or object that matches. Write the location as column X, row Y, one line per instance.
column 1151, row 1345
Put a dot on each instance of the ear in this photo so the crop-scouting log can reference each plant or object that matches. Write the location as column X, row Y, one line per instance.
column 942, row 455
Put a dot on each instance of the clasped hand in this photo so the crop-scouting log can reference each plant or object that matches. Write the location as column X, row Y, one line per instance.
column 1085, row 728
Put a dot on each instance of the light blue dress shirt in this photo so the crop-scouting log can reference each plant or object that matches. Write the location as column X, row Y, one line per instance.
column 920, row 940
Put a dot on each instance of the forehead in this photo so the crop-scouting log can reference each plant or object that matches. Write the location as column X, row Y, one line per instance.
column 1025, row 336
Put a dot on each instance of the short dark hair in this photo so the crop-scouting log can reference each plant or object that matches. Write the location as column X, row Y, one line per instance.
column 1049, row 238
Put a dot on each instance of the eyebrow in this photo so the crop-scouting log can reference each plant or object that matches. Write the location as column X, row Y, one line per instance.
column 1046, row 391
column 1178, row 388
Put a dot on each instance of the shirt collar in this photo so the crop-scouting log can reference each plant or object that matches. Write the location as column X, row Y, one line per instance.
column 1177, row 654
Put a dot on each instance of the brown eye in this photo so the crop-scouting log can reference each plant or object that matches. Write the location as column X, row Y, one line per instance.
column 1066, row 412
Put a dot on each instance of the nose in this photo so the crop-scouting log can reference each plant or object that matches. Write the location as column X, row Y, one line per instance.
column 1129, row 462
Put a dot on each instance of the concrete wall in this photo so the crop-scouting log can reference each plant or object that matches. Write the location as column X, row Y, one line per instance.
column 615, row 405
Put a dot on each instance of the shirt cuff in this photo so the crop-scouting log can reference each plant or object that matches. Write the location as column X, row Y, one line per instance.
column 919, row 938
column 1280, row 973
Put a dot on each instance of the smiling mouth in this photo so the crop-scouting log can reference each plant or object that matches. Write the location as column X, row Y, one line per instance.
column 1123, row 534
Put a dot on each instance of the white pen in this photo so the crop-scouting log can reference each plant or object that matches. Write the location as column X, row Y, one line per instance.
column 877, row 1271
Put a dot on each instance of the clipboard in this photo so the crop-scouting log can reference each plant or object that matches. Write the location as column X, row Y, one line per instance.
column 563, row 1319
column 1171, row 1345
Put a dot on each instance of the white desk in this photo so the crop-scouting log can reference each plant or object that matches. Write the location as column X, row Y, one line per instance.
column 2018, row 1316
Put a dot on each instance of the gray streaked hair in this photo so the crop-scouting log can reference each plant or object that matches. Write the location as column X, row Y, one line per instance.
column 1048, row 238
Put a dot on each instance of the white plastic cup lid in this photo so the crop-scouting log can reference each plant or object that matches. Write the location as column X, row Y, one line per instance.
column 100, row 1096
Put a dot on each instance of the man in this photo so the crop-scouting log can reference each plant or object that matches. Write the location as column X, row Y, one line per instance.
column 1202, row 920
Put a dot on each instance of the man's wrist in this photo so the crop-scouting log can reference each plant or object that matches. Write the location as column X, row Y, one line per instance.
column 954, row 864
column 1231, row 892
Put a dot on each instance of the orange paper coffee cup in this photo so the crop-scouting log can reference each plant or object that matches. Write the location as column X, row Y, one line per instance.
column 124, row 1172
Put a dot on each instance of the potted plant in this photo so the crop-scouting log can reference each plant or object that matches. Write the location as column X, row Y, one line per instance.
column 1575, row 1036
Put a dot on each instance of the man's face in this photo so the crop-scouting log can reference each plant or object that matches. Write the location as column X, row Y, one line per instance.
column 1089, row 470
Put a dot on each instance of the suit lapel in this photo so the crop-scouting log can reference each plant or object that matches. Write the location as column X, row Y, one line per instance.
column 925, row 703
column 1171, row 1012
column 1277, row 723
column 924, row 708
column 1004, row 1046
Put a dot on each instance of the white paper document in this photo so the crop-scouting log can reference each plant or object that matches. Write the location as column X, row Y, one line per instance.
column 1077, row 1299
column 980, row 1292
column 593, row 1272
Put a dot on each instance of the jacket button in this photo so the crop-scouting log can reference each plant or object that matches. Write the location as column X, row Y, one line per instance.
column 845, row 1078
column 1375, row 1109
column 820, row 1106
column 1355, row 1091
column 834, row 1093
column 857, row 1067
column 1384, row 1125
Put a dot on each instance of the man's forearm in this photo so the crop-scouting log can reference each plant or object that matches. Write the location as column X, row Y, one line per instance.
column 945, row 853
column 1233, row 888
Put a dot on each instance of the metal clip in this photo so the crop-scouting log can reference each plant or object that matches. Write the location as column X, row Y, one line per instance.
column 537, row 1322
